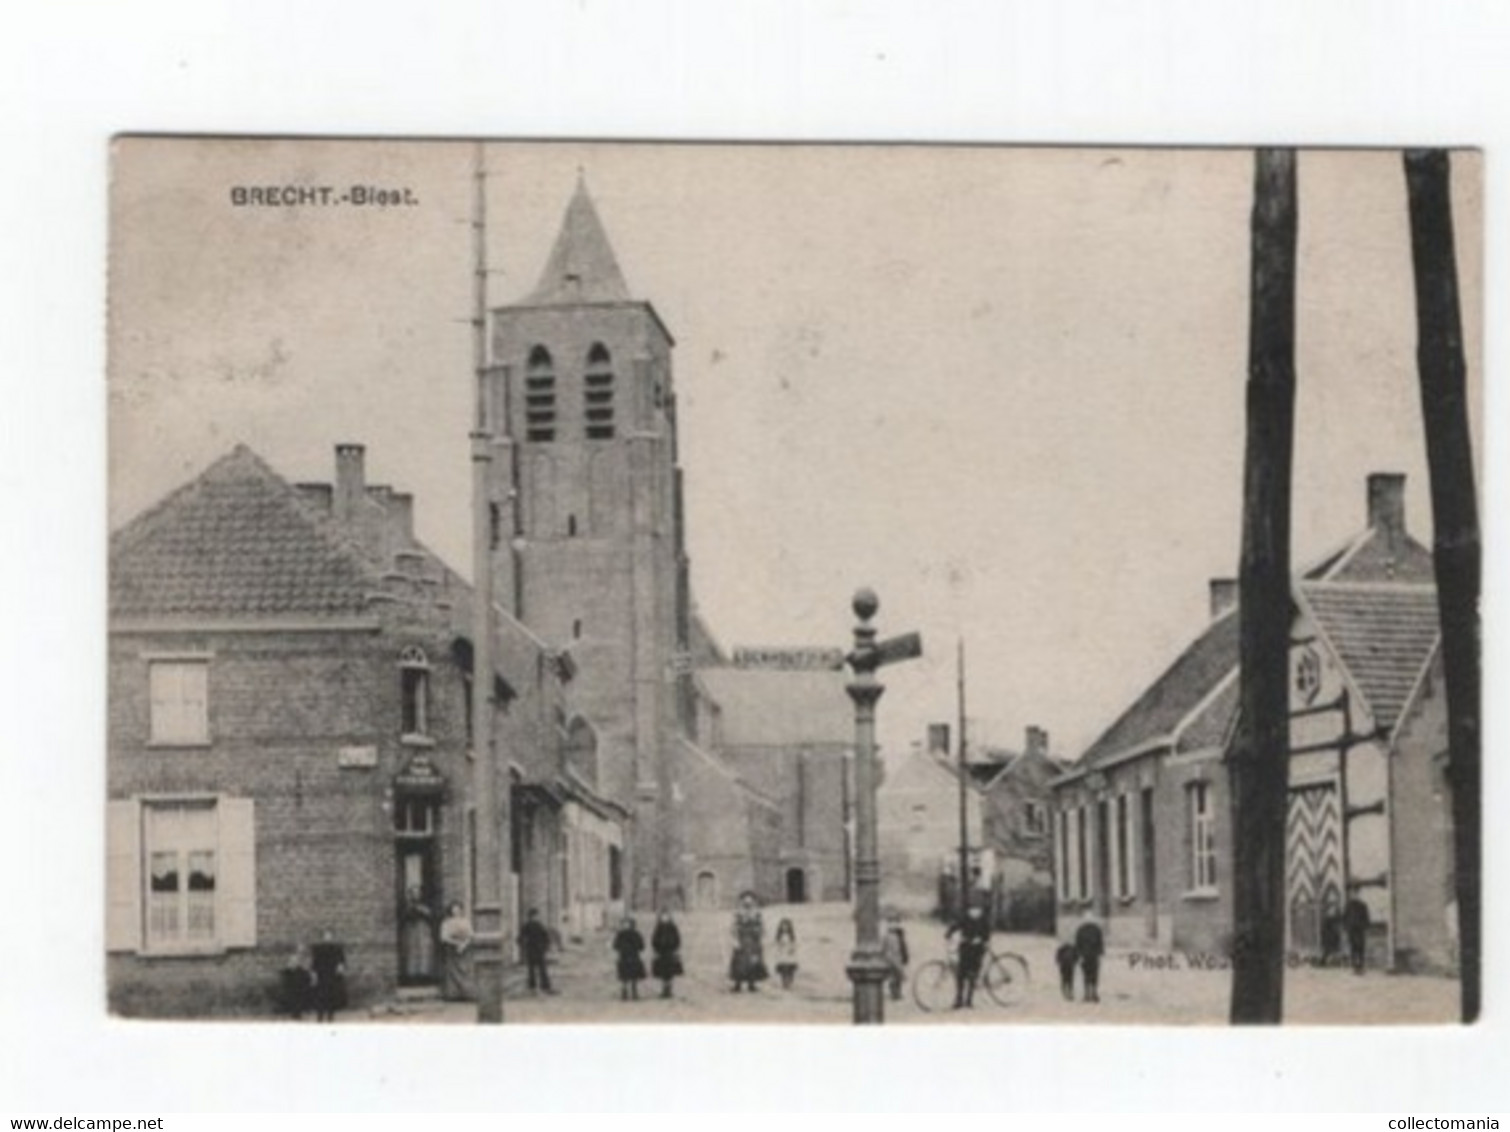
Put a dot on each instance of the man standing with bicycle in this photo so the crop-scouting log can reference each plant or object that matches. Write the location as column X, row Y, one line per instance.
column 974, row 933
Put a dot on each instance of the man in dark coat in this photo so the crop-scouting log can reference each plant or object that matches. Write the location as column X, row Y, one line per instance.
column 974, row 933
column 1090, row 945
column 1355, row 925
column 534, row 943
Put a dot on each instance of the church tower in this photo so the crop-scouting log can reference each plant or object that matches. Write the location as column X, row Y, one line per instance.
column 594, row 520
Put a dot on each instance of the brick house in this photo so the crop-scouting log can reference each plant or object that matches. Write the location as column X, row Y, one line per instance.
column 918, row 820
column 289, row 687
column 1142, row 829
column 1016, row 800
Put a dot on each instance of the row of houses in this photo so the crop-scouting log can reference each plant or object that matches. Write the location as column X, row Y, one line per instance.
column 1136, row 832
column 1142, row 823
column 291, row 685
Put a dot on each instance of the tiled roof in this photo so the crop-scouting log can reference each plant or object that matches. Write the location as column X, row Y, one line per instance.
column 1376, row 557
column 1212, row 724
column 581, row 267
column 236, row 541
column 1174, row 695
column 1383, row 633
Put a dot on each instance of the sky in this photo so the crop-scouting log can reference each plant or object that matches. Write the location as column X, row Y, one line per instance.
column 1001, row 386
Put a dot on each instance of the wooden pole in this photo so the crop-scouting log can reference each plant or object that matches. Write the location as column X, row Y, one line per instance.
column 964, row 774
column 1456, row 549
column 487, row 910
column 1258, row 762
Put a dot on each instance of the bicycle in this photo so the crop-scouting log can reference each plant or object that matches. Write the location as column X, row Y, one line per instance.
column 1004, row 975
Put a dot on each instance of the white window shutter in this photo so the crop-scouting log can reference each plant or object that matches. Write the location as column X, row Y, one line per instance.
column 1059, row 826
column 1114, row 850
column 123, row 876
column 238, row 856
column 1135, row 857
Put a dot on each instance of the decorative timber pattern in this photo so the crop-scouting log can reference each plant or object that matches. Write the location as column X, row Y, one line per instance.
column 1313, row 856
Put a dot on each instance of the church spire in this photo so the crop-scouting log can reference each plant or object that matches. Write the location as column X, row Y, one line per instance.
column 581, row 267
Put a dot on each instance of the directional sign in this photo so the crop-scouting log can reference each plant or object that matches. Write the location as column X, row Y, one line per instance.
column 908, row 646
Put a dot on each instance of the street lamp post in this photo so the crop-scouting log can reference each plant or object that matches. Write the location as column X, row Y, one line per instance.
column 867, row 968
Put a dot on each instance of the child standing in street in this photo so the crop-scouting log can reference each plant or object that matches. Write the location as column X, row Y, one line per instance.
column 666, row 942
column 629, row 945
column 1066, row 958
column 786, row 953
column 894, row 949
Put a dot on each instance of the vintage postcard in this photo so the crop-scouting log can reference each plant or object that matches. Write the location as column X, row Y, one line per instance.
column 511, row 544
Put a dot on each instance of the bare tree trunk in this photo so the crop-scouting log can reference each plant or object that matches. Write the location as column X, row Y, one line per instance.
column 1258, row 765
column 1449, row 454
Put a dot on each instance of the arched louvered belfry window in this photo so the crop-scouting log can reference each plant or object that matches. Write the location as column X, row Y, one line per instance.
column 540, row 396
column 597, row 394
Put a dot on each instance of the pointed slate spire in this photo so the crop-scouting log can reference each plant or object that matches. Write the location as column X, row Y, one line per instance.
column 581, row 267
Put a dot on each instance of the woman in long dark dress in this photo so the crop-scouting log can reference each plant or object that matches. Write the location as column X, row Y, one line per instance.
column 419, row 937
column 629, row 945
column 328, row 962
column 666, row 943
column 455, row 943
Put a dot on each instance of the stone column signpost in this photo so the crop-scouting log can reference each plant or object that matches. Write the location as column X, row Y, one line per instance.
column 867, row 967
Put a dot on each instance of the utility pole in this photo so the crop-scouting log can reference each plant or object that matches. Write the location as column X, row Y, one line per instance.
column 1456, row 543
column 487, row 909
column 964, row 774
column 1258, row 763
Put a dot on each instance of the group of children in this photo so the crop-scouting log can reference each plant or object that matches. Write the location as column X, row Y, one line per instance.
column 747, row 966
column 629, row 946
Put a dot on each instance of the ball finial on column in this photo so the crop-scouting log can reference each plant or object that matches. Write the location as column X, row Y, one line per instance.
column 865, row 603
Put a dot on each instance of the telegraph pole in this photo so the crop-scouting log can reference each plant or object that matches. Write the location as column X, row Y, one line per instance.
column 868, row 968
column 487, row 900
column 1258, row 762
column 964, row 773
column 1456, row 541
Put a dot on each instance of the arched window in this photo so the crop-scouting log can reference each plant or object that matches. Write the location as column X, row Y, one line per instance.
column 540, row 396
column 597, row 393
column 414, row 688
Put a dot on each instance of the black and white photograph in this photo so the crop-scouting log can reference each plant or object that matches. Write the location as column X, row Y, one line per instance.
column 647, row 583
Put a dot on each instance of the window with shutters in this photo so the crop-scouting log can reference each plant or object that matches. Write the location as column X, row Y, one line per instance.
column 597, row 394
column 1202, row 831
column 181, row 874
column 1122, row 849
column 179, row 702
column 540, row 396
column 181, row 841
column 1062, row 820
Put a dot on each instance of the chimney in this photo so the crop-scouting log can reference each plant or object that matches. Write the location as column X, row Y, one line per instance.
column 938, row 737
column 351, row 481
column 401, row 519
column 1386, row 504
column 1035, row 741
column 1223, row 596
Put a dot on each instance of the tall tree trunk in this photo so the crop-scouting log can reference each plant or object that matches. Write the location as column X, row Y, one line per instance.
column 1258, row 767
column 1449, row 454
